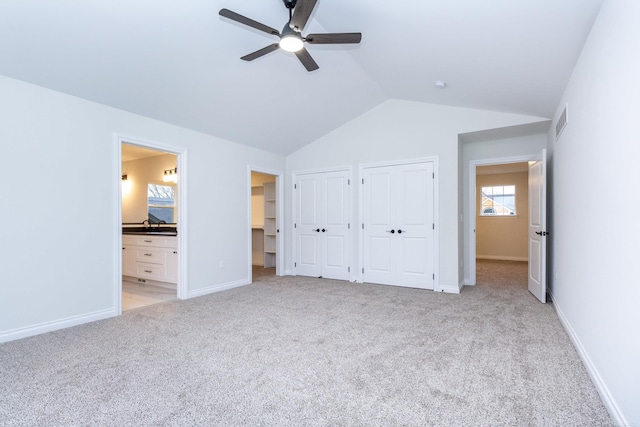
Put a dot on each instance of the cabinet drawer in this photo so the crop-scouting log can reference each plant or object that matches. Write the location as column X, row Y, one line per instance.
column 128, row 239
column 150, row 271
column 156, row 241
column 149, row 255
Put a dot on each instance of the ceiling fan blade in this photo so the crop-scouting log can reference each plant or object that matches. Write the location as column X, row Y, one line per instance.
column 261, row 52
column 306, row 59
column 247, row 21
column 334, row 38
column 301, row 14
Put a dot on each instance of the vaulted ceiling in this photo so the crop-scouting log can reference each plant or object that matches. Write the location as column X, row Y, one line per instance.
column 179, row 61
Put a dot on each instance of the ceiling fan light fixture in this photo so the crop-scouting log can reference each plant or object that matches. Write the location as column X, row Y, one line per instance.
column 291, row 43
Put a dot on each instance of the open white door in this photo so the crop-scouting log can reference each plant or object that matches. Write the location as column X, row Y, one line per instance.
column 537, row 224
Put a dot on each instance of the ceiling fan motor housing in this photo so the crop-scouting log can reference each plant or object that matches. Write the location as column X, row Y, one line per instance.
column 290, row 4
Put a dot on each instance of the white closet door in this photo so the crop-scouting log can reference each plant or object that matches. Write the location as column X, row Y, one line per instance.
column 378, row 225
column 306, row 231
column 335, row 226
column 415, row 234
column 322, row 225
column 399, row 225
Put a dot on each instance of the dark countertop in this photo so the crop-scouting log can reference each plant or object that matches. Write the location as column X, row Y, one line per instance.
column 152, row 230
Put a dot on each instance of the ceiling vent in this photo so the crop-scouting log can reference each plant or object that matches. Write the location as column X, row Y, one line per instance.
column 562, row 122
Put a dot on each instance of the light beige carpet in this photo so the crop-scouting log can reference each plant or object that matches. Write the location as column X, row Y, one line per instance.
column 301, row 351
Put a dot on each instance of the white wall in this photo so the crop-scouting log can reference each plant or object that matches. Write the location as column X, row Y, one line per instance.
column 398, row 130
column 595, row 202
column 59, row 249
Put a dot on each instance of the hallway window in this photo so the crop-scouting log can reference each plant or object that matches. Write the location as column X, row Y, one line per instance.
column 498, row 201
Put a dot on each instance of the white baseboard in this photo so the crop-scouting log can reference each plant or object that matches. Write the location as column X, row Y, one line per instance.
column 603, row 390
column 502, row 257
column 44, row 327
column 450, row 289
column 217, row 288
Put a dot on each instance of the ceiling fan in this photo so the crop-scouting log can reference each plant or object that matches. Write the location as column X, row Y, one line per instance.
column 291, row 38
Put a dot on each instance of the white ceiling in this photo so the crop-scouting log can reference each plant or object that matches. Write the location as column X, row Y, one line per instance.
column 134, row 152
column 179, row 61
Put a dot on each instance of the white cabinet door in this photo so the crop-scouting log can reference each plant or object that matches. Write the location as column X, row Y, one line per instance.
column 322, row 225
column 399, row 234
column 171, row 259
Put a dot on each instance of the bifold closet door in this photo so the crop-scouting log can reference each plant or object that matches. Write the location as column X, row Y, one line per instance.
column 322, row 225
column 399, row 225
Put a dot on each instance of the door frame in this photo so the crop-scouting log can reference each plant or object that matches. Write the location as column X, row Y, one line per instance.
column 294, row 212
column 436, row 213
column 279, row 219
column 471, row 223
column 181, row 163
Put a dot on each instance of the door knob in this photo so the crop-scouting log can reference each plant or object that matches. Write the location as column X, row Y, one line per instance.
column 317, row 230
column 391, row 231
column 323, row 230
column 400, row 231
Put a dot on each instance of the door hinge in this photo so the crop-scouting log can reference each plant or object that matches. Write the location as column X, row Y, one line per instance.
column 348, row 182
column 363, row 271
column 433, row 175
column 349, row 269
column 349, row 226
column 295, row 186
column 363, row 226
column 363, row 180
column 433, row 226
column 295, row 264
column 295, row 225
column 434, row 276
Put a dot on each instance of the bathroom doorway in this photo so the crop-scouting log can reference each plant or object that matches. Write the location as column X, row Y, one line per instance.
column 150, row 212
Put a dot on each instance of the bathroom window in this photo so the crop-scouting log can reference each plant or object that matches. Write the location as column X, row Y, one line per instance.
column 161, row 203
column 498, row 201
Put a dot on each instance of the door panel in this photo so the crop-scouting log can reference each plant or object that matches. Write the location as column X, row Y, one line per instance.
column 378, row 198
column 414, row 197
column 378, row 267
column 398, row 225
column 323, row 221
column 308, row 264
column 416, row 221
column 335, row 227
column 308, row 244
column 378, row 239
column 308, row 202
column 336, row 191
column 537, row 224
